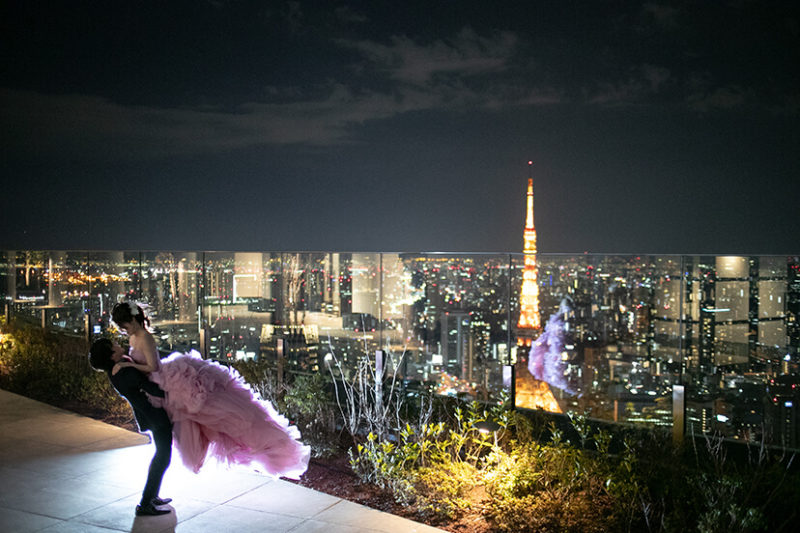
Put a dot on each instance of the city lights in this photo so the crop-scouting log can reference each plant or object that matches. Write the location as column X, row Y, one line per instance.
column 635, row 326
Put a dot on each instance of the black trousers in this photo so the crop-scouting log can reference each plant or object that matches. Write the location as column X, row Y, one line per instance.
column 162, row 438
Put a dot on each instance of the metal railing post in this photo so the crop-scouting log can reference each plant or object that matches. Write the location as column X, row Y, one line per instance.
column 87, row 325
column 279, row 351
column 678, row 414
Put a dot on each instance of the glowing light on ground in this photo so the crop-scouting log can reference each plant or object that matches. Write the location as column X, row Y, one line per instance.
column 534, row 394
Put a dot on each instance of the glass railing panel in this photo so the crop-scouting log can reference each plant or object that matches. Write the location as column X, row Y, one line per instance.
column 741, row 346
column 342, row 305
column 169, row 286
column 68, row 292
column 609, row 343
column 543, row 382
column 448, row 315
column 398, row 295
column 648, row 306
column 112, row 277
column 6, row 273
column 42, row 286
column 311, row 305
column 26, row 284
column 241, row 299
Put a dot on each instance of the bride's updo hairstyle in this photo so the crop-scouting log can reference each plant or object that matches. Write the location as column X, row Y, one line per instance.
column 127, row 312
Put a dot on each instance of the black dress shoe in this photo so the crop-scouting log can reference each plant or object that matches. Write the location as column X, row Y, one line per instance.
column 150, row 510
column 160, row 501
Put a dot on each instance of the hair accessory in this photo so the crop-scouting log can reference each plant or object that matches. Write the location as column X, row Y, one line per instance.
column 134, row 308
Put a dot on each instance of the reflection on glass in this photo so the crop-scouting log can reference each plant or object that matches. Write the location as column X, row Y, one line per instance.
column 610, row 344
column 617, row 331
column 169, row 284
column 742, row 378
column 241, row 297
column 452, row 317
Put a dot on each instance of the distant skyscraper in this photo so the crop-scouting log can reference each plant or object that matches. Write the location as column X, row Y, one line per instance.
column 457, row 343
column 793, row 309
column 529, row 294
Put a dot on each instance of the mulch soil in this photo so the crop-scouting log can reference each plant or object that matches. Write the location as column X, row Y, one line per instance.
column 334, row 476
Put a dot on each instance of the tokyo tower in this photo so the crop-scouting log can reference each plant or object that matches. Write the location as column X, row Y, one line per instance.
column 529, row 294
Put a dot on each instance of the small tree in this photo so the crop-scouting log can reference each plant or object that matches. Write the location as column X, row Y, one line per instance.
column 364, row 404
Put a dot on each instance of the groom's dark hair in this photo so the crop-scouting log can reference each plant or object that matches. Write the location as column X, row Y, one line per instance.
column 100, row 355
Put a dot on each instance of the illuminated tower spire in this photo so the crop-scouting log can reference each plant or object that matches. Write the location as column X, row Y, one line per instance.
column 529, row 294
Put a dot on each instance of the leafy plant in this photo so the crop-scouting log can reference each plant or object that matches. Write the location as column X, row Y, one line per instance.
column 55, row 369
column 380, row 463
column 307, row 403
column 262, row 376
column 443, row 488
column 431, row 465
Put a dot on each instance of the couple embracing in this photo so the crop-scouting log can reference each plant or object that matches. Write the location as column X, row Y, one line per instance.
column 200, row 407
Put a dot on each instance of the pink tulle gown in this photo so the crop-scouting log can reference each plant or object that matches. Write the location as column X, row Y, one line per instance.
column 215, row 414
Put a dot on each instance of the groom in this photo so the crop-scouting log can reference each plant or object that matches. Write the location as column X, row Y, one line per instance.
column 132, row 385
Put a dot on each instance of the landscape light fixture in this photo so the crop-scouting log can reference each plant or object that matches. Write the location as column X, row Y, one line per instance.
column 487, row 426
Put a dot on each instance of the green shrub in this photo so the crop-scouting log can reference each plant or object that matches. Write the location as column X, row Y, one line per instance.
column 307, row 404
column 262, row 376
column 383, row 464
column 55, row 369
column 726, row 506
column 544, row 488
column 41, row 365
column 552, row 512
column 442, row 490
column 434, row 466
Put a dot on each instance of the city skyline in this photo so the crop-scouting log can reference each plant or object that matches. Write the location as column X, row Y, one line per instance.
column 622, row 330
column 654, row 127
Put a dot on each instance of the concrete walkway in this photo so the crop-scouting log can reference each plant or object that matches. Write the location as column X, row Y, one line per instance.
column 61, row 472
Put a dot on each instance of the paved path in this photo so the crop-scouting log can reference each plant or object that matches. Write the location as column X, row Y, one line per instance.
column 64, row 473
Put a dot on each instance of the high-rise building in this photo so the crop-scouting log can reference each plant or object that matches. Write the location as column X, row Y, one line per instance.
column 783, row 411
column 457, row 344
column 793, row 309
column 736, row 315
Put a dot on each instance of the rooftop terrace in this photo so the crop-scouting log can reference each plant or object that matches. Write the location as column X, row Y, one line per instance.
column 61, row 472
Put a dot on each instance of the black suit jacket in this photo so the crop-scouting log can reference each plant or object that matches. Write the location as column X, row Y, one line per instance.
column 132, row 385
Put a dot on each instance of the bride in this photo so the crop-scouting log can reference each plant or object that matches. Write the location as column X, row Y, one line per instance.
column 213, row 411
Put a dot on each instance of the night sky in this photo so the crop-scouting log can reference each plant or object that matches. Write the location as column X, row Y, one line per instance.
column 655, row 127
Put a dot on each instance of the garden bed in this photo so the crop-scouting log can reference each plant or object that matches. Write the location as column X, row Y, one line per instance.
column 335, row 477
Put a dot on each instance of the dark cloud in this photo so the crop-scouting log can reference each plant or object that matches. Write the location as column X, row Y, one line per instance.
column 664, row 16
column 466, row 54
column 311, row 117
